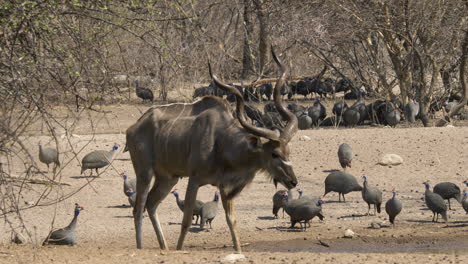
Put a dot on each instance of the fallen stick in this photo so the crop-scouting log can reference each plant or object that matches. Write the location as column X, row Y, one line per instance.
column 224, row 246
column 34, row 181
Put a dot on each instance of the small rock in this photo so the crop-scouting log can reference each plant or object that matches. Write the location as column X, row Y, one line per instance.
column 450, row 126
column 233, row 258
column 304, row 138
column 375, row 225
column 390, row 159
column 348, row 233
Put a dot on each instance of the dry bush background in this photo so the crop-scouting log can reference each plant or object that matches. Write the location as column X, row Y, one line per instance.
column 76, row 56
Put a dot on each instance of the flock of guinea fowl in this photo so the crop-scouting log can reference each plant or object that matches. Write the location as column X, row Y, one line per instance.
column 301, row 210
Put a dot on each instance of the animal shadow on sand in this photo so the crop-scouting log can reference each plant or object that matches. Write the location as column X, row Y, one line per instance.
column 192, row 229
column 286, row 229
column 330, row 171
column 84, row 177
column 123, row 216
column 266, row 218
column 424, row 221
column 353, row 216
column 122, row 206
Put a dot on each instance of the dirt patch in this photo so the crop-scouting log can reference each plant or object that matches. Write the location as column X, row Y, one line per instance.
column 106, row 231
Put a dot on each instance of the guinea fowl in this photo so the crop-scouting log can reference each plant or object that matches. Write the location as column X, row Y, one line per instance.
column 339, row 108
column 196, row 210
column 345, row 155
column 411, row 111
column 49, row 155
column 304, row 121
column 209, row 211
column 128, row 184
column 393, row 207
column 131, row 194
column 435, row 203
column 302, row 212
column 317, row 112
column 392, row 115
column 307, row 198
column 143, row 93
column 465, row 201
column 278, row 202
column 448, row 190
column 98, row 159
column 66, row 235
column 371, row 195
column 342, row 183
column 351, row 117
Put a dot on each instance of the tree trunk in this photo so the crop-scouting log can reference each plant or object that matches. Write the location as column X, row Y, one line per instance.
column 463, row 69
column 247, row 54
column 263, row 40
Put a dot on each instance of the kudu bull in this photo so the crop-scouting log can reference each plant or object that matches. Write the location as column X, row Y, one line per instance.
column 207, row 143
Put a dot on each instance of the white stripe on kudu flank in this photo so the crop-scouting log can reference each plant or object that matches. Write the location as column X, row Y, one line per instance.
column 288, row 163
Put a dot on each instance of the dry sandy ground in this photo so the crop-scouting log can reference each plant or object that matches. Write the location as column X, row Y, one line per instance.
column 106, row 232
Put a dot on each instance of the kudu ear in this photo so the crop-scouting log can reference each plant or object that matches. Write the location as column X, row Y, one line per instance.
column 255, row 144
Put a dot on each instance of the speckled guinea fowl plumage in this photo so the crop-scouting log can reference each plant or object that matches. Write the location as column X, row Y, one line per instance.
column 342, row 183
column 209, row 211
column 304, row 122
column 131, row 194
column 345, row 155
column 181, row 203
column 66, row 235
column 435, row 203
column 351, row 117
column 128, row 184
column 302, row 211
column 464, row 201
column 278, row 202
column 411, row 111
column 448, row 190
column 98, row 159
column 371, row 195
column 307, row 197
column 393, row 207
column 48, row 156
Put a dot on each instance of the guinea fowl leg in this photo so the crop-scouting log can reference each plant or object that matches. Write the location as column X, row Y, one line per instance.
column 231, row 220
column 339, row 197
column 344, row 200
column 190, row 198
column 160, row 190
column 450, row 208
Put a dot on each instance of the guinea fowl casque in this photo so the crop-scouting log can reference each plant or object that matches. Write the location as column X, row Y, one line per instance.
column 371, row 195
column 345, row 155
column 435, row 203
column 66, row 235
column 447, row 191
column 393, row 207
column 98, row 159
column 181, row 203
column 209, row 211
column 342, row 183
column 48, row 156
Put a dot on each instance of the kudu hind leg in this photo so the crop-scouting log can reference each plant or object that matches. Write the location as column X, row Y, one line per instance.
column 143, row 185
column 160, row 190
column 231, row 221
column 189, row 205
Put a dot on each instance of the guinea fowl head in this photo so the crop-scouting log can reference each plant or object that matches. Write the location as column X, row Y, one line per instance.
column 427, row 185
column 466, row 182
column 175, row 193
column 320, row 202
column 78, row 209
column 393, row 192
column 130, row 192
column 115, row 147
column 465, row 193
column 300, row 191
column 285, row 195
column 124, row 176
column 364, row 178
column 216, row 197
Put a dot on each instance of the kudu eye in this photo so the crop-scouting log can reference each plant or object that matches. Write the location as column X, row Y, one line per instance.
column 274, row 155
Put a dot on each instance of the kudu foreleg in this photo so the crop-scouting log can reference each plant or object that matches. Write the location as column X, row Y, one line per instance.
column 190, row 198
column 231, row 221
column 160, row 190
